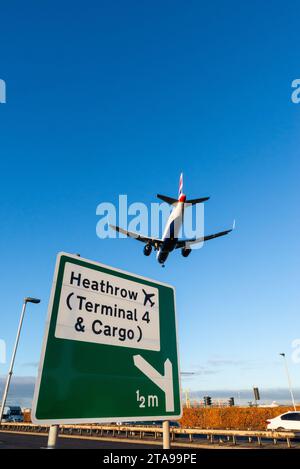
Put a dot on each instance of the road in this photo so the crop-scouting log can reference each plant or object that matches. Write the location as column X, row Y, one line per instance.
column 28, row 441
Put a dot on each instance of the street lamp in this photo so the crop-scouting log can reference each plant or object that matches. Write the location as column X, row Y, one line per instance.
column 10, row 372
column 289, row 378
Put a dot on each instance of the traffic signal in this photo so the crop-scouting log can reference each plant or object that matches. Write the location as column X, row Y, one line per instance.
column 256, row 394
column 231, row 401
column 207, row 401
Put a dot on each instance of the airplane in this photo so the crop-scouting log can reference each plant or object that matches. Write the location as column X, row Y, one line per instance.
column 148, row 297
column 170, row 240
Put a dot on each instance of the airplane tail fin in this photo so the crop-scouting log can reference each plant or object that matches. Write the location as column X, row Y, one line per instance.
column 171, row 200
column 180, row 189
column 191, row 201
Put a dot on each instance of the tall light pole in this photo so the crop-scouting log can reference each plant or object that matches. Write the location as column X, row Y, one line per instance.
column 10, row 372
column 289, row 378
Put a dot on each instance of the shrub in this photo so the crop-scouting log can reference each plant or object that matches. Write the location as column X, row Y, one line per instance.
column 242, row 418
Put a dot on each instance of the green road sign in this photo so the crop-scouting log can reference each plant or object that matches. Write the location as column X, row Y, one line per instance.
column 110, row 348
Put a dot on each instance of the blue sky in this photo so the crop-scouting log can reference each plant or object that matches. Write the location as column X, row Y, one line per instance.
column 109, row 98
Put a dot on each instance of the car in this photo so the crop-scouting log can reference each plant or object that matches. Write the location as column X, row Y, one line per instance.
column 13, row 414
column 287, row 421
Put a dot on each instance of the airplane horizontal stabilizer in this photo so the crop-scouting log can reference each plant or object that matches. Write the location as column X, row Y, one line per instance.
column 172, row 201
column 196, row 201
column 165, row 198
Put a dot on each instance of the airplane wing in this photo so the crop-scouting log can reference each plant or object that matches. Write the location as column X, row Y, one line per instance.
column 144, row 239
column 186, row 242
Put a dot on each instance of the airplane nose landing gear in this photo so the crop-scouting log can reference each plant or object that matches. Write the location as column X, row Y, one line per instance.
column 162, row 257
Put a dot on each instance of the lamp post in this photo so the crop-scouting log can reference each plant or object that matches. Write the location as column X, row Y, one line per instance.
column 289, row 378
column 10, row 372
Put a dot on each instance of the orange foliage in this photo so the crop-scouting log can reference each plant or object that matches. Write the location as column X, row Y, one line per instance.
column 27, row 415
column 238, row 418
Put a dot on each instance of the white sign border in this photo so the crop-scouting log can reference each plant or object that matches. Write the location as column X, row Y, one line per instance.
column 45, row 340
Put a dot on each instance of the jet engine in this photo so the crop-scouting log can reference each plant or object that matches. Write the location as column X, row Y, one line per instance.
column 186, row 252
column 147, row 249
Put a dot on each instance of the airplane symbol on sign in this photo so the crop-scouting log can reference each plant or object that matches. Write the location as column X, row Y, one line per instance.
column 148, row 297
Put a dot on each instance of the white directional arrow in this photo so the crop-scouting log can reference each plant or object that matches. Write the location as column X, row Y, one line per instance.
column 164, row 382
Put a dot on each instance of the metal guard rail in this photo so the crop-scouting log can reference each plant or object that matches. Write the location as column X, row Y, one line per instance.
column 98, row 430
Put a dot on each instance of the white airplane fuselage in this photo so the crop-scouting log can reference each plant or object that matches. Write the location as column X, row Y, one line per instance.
column 172, row 229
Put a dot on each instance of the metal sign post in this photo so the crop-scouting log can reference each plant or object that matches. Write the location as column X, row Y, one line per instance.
column 11, row 367
column 166, row 434
column 52, row 437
